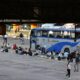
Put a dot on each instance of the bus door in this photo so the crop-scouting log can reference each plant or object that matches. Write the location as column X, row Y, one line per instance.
column 33, row 40
column 77, row 36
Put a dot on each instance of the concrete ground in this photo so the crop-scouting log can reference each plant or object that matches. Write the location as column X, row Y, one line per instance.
column 24, row 67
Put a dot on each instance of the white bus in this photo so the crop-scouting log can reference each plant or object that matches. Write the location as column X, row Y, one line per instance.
column 58, row 40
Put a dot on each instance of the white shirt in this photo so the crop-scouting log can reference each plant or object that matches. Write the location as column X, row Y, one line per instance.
column 66, row 54
column 5, row 36
column 69, row 66
column 60, row 55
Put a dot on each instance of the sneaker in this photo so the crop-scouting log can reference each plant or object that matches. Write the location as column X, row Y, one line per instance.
column 77, row 71
column 69, row 78
column 66, row 77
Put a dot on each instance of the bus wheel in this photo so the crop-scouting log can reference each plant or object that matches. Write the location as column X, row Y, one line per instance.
column 66, row 50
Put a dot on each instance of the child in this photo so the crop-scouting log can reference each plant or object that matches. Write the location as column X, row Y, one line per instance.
column 14, row 46
column 68, row 70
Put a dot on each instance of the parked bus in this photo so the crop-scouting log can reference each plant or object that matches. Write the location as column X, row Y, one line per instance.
column 58, row 40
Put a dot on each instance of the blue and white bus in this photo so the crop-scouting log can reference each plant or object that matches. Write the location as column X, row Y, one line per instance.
column 58, row 40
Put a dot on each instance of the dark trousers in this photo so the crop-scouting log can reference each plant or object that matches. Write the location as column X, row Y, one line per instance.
column 76, row 67
column 68, row 73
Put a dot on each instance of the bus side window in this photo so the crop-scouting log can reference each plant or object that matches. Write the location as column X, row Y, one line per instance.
column 51, row 34
column 58, row 36
column 72, row 35
column 78, row 35
column 33, row 33
column 44, row 33
column 39, row 33
column 67, row 36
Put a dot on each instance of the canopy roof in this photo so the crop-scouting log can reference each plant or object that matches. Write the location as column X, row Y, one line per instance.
column 43, row 10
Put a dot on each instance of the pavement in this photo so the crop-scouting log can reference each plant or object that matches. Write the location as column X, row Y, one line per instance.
column 24, row 67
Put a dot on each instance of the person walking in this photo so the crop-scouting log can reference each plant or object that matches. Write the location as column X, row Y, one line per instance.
column 21, row 38
column 68, row 70
column 5, row 39
column 76, row 65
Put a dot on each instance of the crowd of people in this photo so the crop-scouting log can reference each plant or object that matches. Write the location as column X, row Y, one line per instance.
column 71, row 57
column 18, row 49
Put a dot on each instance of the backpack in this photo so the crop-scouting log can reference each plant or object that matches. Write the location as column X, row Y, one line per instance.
column 77, row 59
column 6, row 50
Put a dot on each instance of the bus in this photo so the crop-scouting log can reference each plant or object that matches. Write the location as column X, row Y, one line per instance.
column 58, row 40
